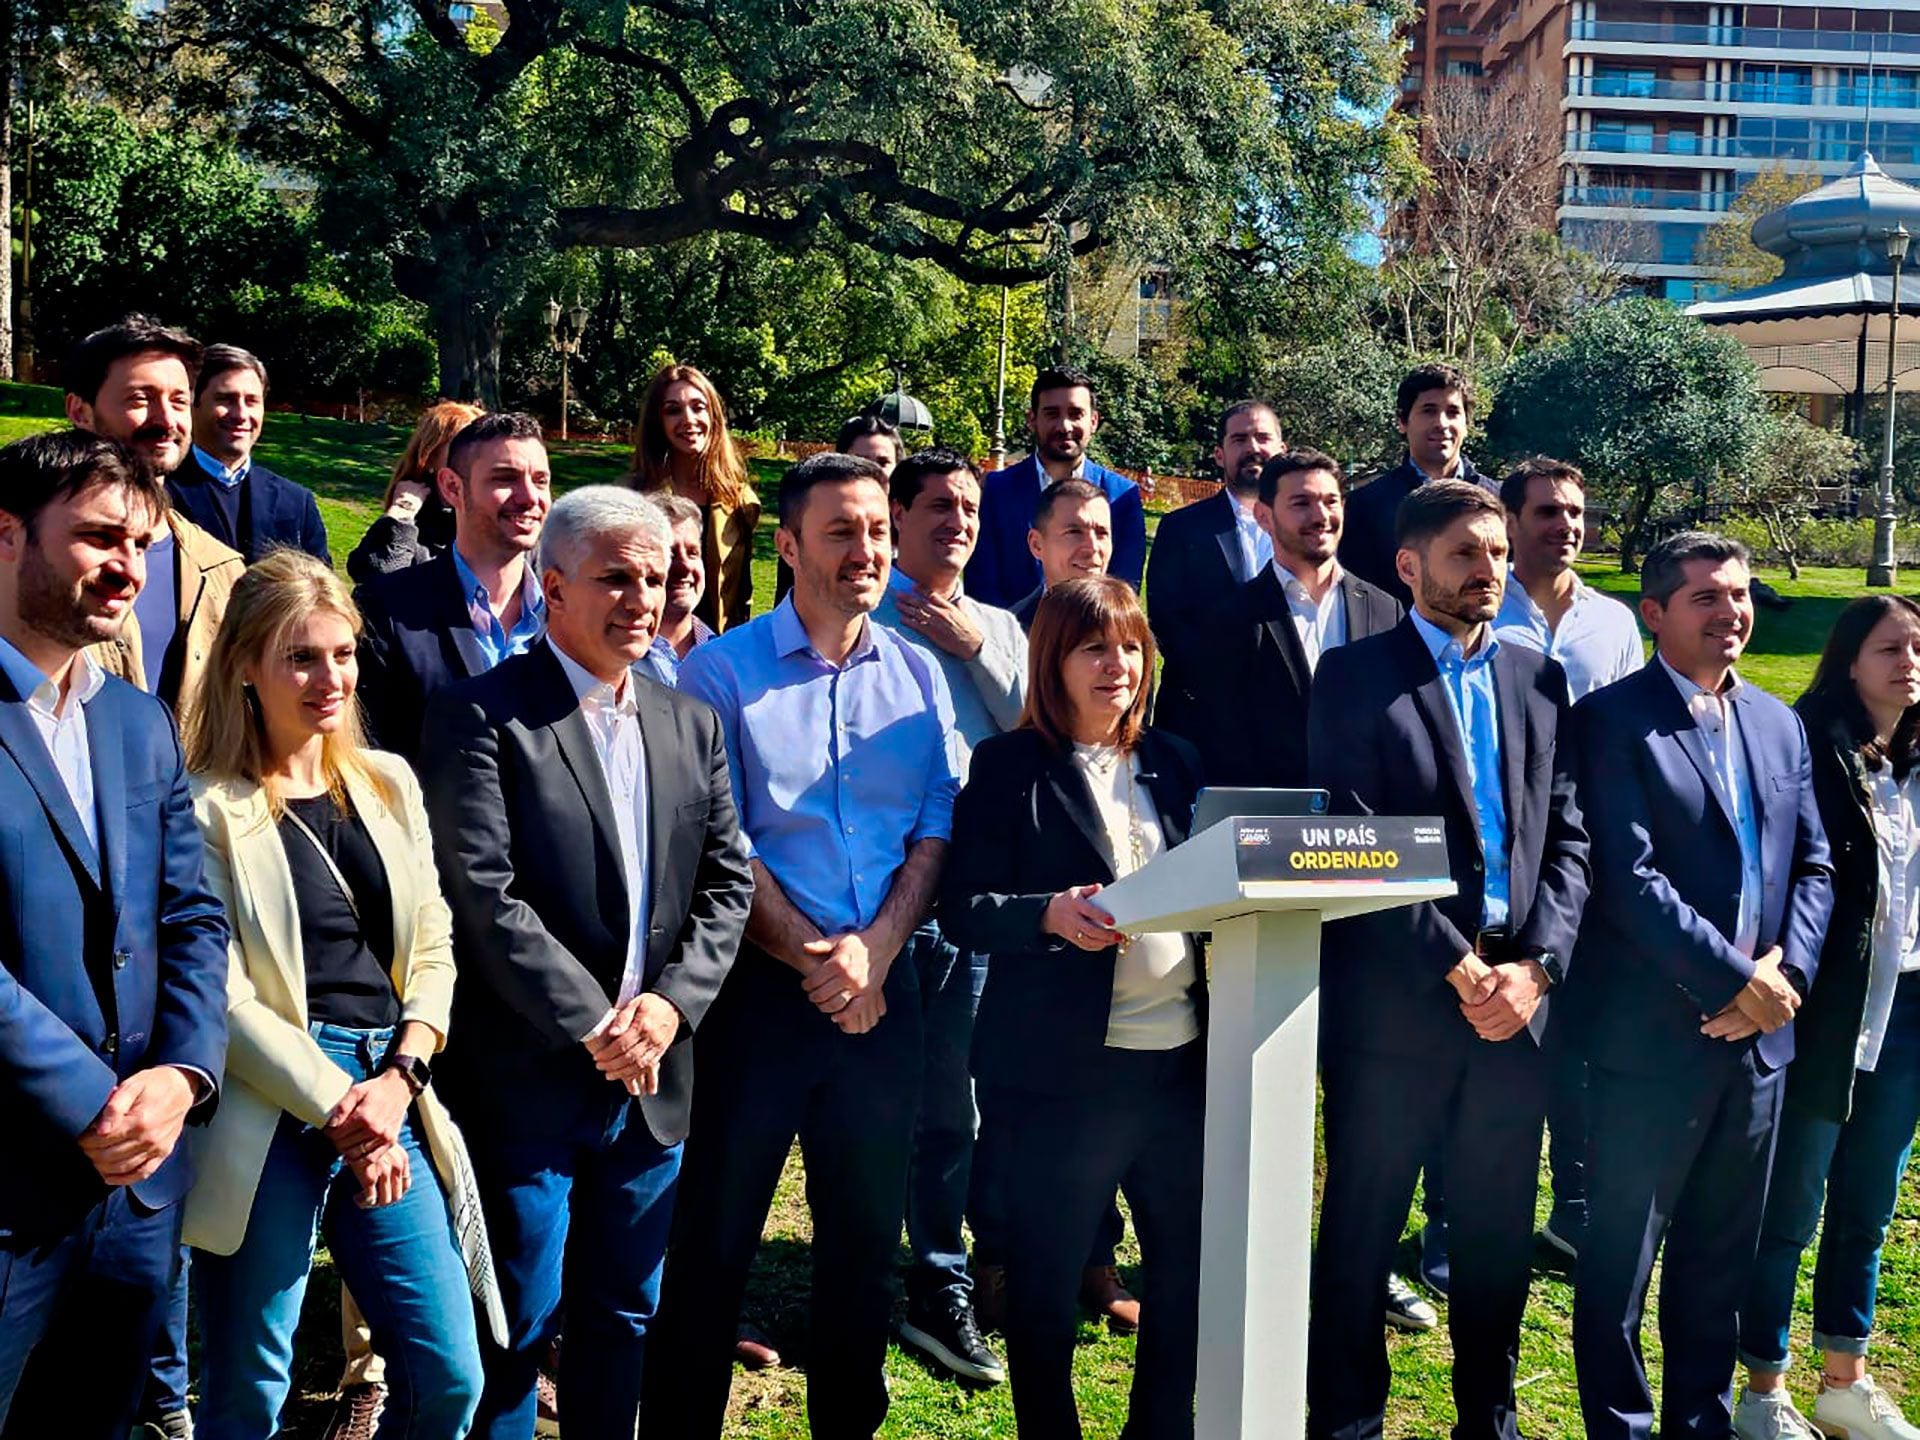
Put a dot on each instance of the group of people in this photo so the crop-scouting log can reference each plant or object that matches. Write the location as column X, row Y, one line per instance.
column 503, row 922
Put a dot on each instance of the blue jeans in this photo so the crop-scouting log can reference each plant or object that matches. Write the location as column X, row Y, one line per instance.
column 399, row 1260
column 1858, row 1165
column 950, row 985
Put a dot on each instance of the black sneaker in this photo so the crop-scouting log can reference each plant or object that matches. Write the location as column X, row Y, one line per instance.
column 946, row 1332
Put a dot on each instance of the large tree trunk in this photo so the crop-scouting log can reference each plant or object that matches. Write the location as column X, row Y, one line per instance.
column 469, row 341
column 1633, row 532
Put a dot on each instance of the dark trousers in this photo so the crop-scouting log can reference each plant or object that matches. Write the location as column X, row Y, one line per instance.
column 78, row 1314
column 950, row 985
column 579, row 1198
column 166, row 1391
column 1567, row 1129
column 1684, row 1159
column 1381, row 1113
column 1141, row 1129
column 987, row 1193
column 769, row 1067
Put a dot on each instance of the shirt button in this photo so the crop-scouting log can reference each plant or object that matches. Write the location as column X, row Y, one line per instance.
column 849, row 829
column 120, row 958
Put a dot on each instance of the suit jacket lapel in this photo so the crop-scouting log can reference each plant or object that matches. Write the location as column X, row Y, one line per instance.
column 1758, row 762
column 466, row 644
column 1693, row 742
column 261, row 870
column 657, row 740
column 1430, row 698
column 107, row 754
column 1172, row 802
column 1226, row 518
column 1512, row 720
column 575, row 741
column 20, row 738
column 1070, row 788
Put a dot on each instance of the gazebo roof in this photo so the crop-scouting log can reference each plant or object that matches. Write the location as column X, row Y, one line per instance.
column 1840, row 227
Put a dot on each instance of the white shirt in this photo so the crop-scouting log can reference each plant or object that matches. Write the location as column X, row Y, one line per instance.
column 156, row 609
column 614, row 722
column 1596, row 642
column 1714, row 715
column 1896, row 918
column 1152, row 1008
column 1321, row 624
column 1256, row 546
column 62, row 723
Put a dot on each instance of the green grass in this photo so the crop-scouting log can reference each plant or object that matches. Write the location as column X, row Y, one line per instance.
column 346, row 465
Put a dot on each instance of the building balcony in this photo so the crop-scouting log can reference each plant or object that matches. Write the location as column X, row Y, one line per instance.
column 1645, row 197
column 1883, row 94
column 1747, row 37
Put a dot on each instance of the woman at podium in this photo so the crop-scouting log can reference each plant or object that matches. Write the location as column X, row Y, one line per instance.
column 1089, row 1048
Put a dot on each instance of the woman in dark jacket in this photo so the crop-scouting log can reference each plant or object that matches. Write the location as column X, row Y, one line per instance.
column 415, row 524
column 1853, row 1089
column 1089, row 1046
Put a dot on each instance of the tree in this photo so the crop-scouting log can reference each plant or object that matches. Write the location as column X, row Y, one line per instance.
column 1655, row 407
column 917, row 129
column 1792, row 460
column 1727, row 250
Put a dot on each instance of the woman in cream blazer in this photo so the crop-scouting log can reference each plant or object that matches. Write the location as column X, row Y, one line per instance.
column 327, row 1122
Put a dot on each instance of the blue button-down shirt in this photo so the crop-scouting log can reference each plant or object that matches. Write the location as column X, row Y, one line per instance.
column 1468, row 681
column 837, row 770
column 1716, row 717
column 1597, row 641
column 213, row 467
column 495, row 641
column 663, row 661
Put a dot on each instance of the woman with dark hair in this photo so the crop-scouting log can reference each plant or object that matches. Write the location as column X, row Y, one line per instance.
column 872, row 438
column 685, row 448
column 415, row 524
column 1853, row 1089
column 1089, row 1045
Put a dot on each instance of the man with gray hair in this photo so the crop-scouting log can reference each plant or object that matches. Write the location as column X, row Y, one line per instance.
column 586, row 835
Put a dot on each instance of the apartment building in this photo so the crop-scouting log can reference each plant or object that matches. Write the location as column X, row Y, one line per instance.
column 1668, row 109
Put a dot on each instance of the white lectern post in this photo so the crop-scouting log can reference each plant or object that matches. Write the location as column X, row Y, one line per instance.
column 1263, row 886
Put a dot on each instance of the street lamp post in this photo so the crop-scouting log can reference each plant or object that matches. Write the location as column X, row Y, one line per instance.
column 1449, row 282
column 564, row 329
column 999, row 447
column 1881, row 571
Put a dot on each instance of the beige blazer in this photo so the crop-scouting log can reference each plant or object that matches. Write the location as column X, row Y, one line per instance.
column 204, row 572
column 727, row 546
column 273, row 1064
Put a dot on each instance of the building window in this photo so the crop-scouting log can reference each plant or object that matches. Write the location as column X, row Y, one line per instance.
column 1461, row 68
column 1635, row 83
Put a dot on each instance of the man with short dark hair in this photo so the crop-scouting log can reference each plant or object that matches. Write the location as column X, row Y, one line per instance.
column 115, row 983
column 680, row 628
column 1712, row 885
column 463, row 613
column 839, row 742
column 220, row 486
column 1433, row 409
column 1432, row 1015
column 1063, row 416
column 1071, row 535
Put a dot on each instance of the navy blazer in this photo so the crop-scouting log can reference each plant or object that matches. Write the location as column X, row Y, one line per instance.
column 418, row 638
column 1367, row 544
column 113, row 961
column 1025, row 828
column 1003, row 571
column 1655, row 956
column 273, row 511
column 1382, row 740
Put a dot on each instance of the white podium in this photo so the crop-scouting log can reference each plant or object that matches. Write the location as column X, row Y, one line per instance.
column 1263, row 885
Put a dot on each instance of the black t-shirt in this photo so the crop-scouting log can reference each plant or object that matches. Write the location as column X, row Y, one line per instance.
column 348, row 958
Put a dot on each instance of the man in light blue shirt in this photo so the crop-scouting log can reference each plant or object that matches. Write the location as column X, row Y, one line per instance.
column 1468, row 681
column 839, row 740
column 1547, row 607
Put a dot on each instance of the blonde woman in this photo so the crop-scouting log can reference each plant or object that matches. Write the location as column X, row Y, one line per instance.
column 339, row 986
column 685, row 448
column 415, row 523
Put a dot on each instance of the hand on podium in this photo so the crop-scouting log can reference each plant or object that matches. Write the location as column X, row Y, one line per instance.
column 1075, row 919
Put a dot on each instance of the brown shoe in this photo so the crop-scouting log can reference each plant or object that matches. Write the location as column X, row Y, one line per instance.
column 990, row 1298
column 751, row 1349
column 546, row 1404
column 1102, row 1293
column 357, row 1414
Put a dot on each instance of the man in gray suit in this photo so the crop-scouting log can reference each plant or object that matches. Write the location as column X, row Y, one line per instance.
column 587, row 840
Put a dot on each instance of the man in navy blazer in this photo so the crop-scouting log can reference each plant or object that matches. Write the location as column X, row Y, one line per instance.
column 1432, row 1015
column 220, row 486
column 1712, row 887
column 113, row 963
column 1063, row 416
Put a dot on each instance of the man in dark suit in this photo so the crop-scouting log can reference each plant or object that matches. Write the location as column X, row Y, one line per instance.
column 589, row 849
column 1432, row 1015
column 1712, row 887
column 220, row 486
column 113, row 973
column 1062, row 416
column 1241, row 695
column 463, row 613
column 1434, row 411
column 1071, row 535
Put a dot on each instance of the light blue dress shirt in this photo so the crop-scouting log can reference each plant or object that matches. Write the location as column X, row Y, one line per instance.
column 1716, row 717
column 1597, row 641
column 1256, row 546
column 498, row 643
column 1468, row 681
column 213, row 467
column 986, row 691
column 837, row 770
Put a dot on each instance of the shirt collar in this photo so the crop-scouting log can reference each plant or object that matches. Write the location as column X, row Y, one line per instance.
column 1459, row 468
column 1689, row 689
column 900, row 583
column 590, row 689
column 40, row 692
column 1515, row 588
column 1297, row 588
column 790, row 636
column 1444, row 648
column 532, row 600
column 220, row 472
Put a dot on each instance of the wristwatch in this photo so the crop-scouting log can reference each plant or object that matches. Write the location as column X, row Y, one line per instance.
column 1552, row 964
column 415, row 1071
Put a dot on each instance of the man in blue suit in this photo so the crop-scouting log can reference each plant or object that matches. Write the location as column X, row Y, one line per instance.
column 1711, row 892
column 1063, row 416
column 1432, row 1016
column 220, row 486
column 113, row 964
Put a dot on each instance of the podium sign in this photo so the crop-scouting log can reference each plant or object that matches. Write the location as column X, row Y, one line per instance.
column 1263, row 885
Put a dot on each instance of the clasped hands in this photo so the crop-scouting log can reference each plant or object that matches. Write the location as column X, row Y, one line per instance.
column 1498, row 1000
column 847, row 979
column 138, row 1127
column 1765, row 1003
column 629, row 1049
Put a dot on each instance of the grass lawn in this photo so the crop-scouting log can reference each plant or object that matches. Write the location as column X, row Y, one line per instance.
column 347, row 465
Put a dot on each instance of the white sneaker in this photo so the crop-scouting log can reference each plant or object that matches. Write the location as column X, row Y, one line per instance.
column 1860, row 1411
column 1406, row 1309
column 1770, row 1416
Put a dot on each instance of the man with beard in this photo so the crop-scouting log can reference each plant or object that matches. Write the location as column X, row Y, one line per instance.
column 1063, row 416
column 1711, row 894
column 840, row 744
column 133, row 382
column 115, row 983
column 1432, row 1015
column 463, row 613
